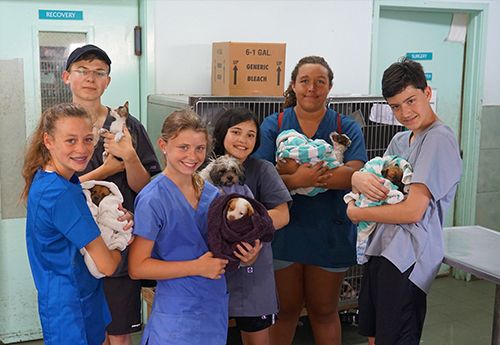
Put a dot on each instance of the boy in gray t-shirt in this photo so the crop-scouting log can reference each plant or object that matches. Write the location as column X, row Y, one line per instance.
column 405, row 251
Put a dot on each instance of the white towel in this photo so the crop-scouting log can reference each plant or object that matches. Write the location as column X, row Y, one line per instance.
column 106, row 215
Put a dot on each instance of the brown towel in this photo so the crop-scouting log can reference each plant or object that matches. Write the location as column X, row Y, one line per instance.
column 223, row 235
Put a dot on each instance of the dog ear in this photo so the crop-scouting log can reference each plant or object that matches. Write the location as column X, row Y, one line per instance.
column 250, row 210
column 215, row 175
column 347, row 140
column 231, row 205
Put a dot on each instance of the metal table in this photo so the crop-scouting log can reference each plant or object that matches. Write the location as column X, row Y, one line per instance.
column 476, row 249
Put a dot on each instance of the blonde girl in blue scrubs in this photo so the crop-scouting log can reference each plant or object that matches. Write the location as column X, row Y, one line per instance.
column 191, row 300
column 71, row 301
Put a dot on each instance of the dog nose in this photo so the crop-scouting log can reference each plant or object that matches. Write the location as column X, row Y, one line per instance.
column 229, row 178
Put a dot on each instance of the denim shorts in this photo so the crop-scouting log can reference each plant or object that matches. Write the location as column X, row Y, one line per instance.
column 281, row 264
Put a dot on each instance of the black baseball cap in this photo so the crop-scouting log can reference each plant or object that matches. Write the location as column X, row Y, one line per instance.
column 89, row 48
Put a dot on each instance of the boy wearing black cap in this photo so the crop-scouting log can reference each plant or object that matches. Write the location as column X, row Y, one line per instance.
column 129, row 166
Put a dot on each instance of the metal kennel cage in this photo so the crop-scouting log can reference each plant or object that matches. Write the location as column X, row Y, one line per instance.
column 372, row 113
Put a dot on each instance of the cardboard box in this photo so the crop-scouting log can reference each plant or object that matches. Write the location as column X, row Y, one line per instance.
column 248, row 69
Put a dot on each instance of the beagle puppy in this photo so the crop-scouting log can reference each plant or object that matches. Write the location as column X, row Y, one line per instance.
column 238, row 208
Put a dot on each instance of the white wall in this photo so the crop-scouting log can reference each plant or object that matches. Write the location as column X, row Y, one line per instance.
column 339, row 30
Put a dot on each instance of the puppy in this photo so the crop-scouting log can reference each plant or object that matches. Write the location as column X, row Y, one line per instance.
column 98, row 192
column 120, row 114
column 347, row 292
column 394, row 174
column 340, row 143
column 224, row 171
column 238, row 208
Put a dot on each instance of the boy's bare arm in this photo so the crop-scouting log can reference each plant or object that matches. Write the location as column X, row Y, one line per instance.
column 409, row 211
column 110, row 167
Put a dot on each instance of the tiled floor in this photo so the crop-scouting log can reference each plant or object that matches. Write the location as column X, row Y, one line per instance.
column 459, row 313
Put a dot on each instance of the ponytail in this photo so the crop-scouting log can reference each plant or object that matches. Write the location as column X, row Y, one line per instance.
column 37, row 155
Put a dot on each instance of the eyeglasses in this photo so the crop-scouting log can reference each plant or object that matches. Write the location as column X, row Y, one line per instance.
column 85, row 73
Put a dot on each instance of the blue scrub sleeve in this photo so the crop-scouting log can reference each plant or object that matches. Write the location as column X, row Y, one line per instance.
column 72, row 217
column 147, row 219
column 438, row 164
column 268, row 134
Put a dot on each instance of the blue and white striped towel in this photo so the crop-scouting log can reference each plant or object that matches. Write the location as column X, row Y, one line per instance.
column 291, row 144
column 375, row 166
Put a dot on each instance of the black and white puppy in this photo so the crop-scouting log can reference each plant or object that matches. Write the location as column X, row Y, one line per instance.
column 224, row 171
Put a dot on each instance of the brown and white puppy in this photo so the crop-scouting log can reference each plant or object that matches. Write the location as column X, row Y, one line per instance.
column 98, row 192
column 340, row 143
column 120, row 114
column 394, row 174
column 224, row 171
column 238, row 208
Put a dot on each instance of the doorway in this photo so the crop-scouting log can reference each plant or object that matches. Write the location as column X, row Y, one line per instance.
column 38, row 45
column 454, row 70
column 55, row 48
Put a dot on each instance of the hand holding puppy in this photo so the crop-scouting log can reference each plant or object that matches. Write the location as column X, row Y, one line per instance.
column 248, row 254
column 370, row 185
column 308, row 175
column 123, row 149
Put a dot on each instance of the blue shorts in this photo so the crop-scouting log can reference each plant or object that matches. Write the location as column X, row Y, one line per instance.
column 281, row 264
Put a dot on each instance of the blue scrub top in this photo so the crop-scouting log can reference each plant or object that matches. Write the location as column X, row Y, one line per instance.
column 189, row 310
column 319, row 232
column 71, row 301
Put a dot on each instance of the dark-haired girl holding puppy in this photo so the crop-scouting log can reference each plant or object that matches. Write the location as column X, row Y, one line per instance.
column 252, row 294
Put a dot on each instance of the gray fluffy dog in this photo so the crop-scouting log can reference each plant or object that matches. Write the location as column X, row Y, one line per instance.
column 224, row 171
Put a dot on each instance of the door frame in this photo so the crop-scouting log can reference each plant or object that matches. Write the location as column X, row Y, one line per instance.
column 86, row 29
column 465, row 207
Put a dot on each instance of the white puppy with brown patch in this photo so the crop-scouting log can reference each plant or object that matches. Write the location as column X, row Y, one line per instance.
column 238, row 208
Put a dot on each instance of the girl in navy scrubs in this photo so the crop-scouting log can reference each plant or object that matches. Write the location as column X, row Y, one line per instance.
column 191, row 300
column 313, row 252
column 71, row 301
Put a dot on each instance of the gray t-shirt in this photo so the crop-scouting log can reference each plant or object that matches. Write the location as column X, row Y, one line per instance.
column 252, row 290
column 435, row 157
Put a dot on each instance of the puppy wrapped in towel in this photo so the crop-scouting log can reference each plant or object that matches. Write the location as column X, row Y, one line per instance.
column 397, row 174
column 223, row 234
column 294, row 145
column 103, row 199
